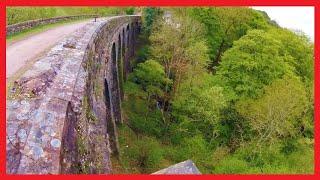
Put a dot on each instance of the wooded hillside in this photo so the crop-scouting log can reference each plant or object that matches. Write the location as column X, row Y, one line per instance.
column 225, row 87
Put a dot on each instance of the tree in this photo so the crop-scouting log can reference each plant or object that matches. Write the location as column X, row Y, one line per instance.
column 151, row 77
column 299, row 47
column 254, row 61
column 149, row 16
column 197, row 106
column 224, row 25
column 178, row 45
column 274, row 115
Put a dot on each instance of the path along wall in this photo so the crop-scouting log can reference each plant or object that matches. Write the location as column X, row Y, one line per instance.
column 15, row 28
column 62, row 113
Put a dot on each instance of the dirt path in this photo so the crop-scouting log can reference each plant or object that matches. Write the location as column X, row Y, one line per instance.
column 20, row 53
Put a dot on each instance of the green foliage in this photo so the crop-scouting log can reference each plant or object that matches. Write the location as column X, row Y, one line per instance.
column 130, row 10
column 254, row 61
column 251, row 113
column 232, row 129
column 149, row 16
column 136, row 109
column 180, row 49
column 144, row 88
column 16, row 15
column 270, row 161
column 226, row 25
column 197, row 106
column 275, row 114
column 147, row 153
column 139, row 153
column 150, row 75
column 297, row 46
column 143, row 53
column 196, row 148
column 21, row 14
column 171, row 44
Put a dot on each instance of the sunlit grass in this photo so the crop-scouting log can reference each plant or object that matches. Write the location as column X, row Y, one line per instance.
column 37, row 29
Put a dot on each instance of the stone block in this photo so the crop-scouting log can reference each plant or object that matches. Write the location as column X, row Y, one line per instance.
column 185, row 167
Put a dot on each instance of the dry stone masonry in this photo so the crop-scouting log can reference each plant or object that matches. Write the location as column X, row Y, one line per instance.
column 15, row 28
column 62, row 113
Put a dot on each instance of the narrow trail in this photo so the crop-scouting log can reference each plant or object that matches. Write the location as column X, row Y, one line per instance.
column 20, row 53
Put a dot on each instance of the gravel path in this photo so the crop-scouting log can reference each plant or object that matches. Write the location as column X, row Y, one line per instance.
column 20, row 53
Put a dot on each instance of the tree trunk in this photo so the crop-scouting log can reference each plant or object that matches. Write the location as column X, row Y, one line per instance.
column 217, row 59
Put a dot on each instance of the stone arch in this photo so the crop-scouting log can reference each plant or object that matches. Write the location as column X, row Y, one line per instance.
column 115, row 85
column 114, row 59
column 127, row 36
column 120, row 66
column 107, row 99
column 123, row 44
column 68, row 143
column 111, row 125
column 138, row 27
column 123, row 54
column 127, row 53
column 119, row 58
column 132, row 37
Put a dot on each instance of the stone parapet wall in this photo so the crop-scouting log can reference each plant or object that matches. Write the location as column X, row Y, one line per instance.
column 185, row 167
column 62, row 113
column 15, row 28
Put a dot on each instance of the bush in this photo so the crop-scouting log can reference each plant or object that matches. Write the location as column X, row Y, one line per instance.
column 146, row 154
column 141, row 118
column 232, row 165
column 272, row 160
column 152, row 125
column 197, row 105
column 149, row 16
column 195, row 149
column 130, row 11
column 143, row 54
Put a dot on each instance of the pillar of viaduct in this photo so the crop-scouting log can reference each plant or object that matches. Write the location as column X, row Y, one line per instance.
column 63, row 112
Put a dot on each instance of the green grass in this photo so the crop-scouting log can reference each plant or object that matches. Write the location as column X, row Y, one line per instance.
column 37, row 29
column 21, row 14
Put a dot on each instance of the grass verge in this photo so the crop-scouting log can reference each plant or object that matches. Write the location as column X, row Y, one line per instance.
column 37, row 29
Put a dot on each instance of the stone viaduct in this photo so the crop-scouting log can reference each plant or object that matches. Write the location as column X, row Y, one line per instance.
column 62, row 113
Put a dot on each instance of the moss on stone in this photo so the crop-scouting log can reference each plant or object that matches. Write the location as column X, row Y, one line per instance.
column 99, row 163
column 88, row 112
column 83, row 148
column 98, row 90
column 17, row 93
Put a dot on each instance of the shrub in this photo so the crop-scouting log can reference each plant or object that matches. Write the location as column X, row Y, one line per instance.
column 130, row 11
column 272, row 160
column 146, row 154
